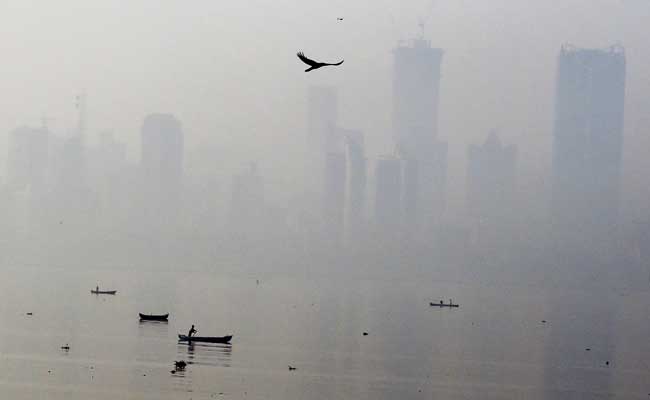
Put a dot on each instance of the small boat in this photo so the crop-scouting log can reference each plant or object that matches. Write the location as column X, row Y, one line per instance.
column 154, row 317
column 206, row 339
column 444, row 305
column 94, row 291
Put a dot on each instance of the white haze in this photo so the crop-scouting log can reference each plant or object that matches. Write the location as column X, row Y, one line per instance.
column 227, row 70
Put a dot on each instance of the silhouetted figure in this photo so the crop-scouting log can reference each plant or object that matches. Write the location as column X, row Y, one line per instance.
column 97, row 288
column 314, row 64
column 440, row 302
column 191, row 332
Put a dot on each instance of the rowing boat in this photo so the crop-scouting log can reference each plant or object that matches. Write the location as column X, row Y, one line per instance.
column 444, row 305
column 206, row 339
column 154, row 317
column 103, row 291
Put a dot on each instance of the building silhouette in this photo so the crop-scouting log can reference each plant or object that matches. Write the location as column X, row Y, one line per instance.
column 587, row 140
column 27, row 158
column 388, row 194
column 357, row 181
column 334, row 197
column 491, row 180
column 322, row 139
column 416, row 88
column 161, row 167
column 25, row 195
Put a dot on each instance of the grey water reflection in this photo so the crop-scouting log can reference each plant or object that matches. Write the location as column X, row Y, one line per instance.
column 204, row 354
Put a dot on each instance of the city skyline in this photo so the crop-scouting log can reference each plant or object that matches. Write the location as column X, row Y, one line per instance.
column 324, row 137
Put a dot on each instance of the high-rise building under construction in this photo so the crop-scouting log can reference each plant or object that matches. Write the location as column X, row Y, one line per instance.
column 588, row 139
column 416, row 88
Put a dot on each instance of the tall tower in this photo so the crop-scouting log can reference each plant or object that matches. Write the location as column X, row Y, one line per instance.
column 357, row 180
column 162, row 168
column 334, row 196
column 588, row 139
column 322, row 120
column 416, row 88
column 388, row 194
column 28, row 157
column 491, row 181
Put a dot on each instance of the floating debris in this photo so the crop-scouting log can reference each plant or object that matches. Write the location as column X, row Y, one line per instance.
column 587, row 349
column 292, row 368
column 180, row 365
column 65, row 348
column 365, row 333
column 30, row 314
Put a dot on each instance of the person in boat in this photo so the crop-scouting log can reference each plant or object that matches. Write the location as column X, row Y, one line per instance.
column 97, row 288
column 440, row 302
column 191, row 332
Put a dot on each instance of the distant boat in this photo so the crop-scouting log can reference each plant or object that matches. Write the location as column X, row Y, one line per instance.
column 206, row 339
column 95, row 291
column 444, row 305
column 154, row 317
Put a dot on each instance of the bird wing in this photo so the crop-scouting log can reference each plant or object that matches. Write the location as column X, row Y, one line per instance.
column 338, row 63
column 306, row 60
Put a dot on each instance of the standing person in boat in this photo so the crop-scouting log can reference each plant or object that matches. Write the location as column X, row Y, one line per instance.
column 97, row 288
column 191, row 332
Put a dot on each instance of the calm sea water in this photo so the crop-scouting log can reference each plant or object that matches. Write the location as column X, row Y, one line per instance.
column 495, row 346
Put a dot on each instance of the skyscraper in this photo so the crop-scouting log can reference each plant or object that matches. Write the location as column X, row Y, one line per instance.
column 162, row 168
column 388, row 194
column 28, row 158
column 334, row 196
column 491, row 180
column 588, row 139
column 416, row 88
column 357, row 180
column 322, row 137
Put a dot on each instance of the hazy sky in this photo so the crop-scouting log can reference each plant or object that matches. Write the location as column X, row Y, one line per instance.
column 228, row 71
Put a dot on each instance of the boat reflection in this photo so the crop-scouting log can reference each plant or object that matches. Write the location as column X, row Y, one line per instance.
column 216, row 355
column 150, row 322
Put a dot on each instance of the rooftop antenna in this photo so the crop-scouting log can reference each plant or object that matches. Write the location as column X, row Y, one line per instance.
column 421, row 23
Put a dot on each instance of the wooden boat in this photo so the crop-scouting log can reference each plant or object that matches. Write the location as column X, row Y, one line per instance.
column 206, row 339
column 93, row 291
column 154, row 317
column 444, row 305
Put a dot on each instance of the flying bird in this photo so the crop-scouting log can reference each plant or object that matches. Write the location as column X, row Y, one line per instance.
column 314, row 64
